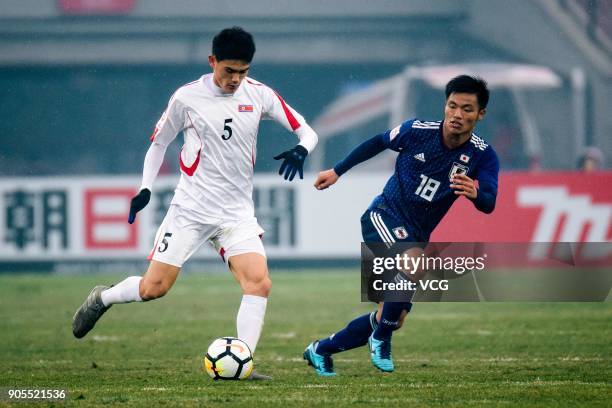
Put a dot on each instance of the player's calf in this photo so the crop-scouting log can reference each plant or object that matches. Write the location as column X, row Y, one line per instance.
column 158, row 280
column 152, row 290
column 251, row 271
column 400, row 321
column 391, row 316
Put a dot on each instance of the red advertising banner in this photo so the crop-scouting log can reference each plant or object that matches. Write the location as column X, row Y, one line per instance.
column 105, row 219
column 537, row 207
column 557, row 213
column 96, row 6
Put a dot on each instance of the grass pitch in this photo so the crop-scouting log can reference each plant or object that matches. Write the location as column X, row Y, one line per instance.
column 449, row 354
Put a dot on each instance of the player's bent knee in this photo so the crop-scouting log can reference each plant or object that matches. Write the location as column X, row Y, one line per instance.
column 266, row 285
column 259, row 287
column 150, row 291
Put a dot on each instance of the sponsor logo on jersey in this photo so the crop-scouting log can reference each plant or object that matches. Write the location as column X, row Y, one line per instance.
column 464, row 158
column 245, row 108
column 420, row 157
column 457, row 169
column 400, row 232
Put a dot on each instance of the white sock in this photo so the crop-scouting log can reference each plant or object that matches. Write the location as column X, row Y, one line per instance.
column 250, row 319
column 126, row 291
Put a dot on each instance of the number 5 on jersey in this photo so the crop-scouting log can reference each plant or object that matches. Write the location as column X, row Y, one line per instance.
column 227, row 130
column 428, row 187
column 164, row 244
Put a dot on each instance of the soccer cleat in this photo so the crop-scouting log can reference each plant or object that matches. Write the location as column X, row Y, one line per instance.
column 380, row 354
column 90, row 311
column 255, row 376
column 323, row 364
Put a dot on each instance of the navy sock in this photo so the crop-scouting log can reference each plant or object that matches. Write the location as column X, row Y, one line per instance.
column 354, row 335
column 389, row 318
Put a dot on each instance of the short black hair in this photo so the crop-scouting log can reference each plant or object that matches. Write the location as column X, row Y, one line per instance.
column 471, row 85
column 233, row 44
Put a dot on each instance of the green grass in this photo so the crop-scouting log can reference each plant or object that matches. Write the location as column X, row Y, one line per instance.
column 448, row 354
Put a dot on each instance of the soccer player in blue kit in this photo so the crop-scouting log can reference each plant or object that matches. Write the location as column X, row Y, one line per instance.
column 437, row 163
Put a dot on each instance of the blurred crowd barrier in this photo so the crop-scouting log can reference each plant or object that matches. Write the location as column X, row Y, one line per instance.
column 50, row 220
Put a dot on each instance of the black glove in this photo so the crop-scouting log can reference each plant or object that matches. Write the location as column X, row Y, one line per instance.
column 294, row 162
column 139, row 202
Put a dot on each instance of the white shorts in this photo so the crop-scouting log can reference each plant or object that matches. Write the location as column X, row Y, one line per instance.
column 180, row 236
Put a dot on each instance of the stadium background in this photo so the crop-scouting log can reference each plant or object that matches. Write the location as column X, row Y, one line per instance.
column 83, row 83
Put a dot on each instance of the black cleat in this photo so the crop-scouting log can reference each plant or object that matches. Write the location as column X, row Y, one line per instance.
column 89, row 313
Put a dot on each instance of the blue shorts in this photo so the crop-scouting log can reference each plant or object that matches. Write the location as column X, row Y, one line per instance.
column 379, row 226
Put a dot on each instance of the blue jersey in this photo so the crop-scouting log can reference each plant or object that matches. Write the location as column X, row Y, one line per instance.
column 419, row 193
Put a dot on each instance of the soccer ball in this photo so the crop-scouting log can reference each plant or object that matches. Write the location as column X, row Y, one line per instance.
column 228, row 358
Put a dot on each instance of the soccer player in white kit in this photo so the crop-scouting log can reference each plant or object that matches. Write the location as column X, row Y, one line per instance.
column 219, row 116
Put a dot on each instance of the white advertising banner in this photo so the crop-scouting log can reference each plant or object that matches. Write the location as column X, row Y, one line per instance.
column 85, row 218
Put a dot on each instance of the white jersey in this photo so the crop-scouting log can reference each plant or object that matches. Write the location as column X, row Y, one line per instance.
column 219, row 152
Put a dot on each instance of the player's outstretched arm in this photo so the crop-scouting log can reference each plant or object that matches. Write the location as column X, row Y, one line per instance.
column 325, row 179
column 152, row 163
column 361, row 153
column 169, row 125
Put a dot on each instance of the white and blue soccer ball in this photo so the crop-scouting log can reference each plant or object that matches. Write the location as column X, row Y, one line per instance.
column 228, row 358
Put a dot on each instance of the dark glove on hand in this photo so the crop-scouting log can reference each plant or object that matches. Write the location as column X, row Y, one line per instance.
column 293, row 162
column 139, row 202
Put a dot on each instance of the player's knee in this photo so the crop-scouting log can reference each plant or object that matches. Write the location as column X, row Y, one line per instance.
column 267, row 286
column 150, row 291
column 260, row 287
column 264, row 286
